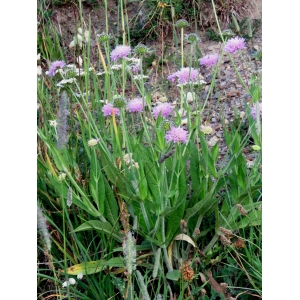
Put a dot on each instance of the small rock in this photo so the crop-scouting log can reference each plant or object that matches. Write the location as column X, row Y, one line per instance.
column 212, row 141
column 256, row 47
column 222, row 85
column 213, row 120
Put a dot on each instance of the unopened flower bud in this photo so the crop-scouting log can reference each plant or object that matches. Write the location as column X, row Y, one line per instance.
column 182, row 23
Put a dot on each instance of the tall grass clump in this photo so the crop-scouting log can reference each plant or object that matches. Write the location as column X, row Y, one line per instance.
column 135, row 201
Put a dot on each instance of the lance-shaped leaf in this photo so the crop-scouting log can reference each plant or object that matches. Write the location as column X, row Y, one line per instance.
column 104, row 227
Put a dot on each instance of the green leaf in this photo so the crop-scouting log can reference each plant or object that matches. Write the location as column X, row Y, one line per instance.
column 201, row 207
column 253, row 219
column 111, row 208
column 167, row 211
column 103, row 227
column 97, row 186
column 207, row 160
column 114, row 174
column 195, row 170
column 153, row 182
column 173, row 221
column 93, row 267
column 143, row 187
column 173, row 275
column 215, row 153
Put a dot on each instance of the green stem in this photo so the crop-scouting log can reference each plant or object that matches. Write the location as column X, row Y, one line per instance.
column 182, row 56
column 123, row 23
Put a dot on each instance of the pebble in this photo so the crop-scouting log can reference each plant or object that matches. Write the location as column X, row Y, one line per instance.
column 223, row 85
column 213, row 120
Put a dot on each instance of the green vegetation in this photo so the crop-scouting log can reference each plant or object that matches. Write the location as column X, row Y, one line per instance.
column 126, row 211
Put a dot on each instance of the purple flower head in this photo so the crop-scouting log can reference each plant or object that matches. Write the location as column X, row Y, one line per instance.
column 235, row 44
column 107, row 110
column 177, row 134
column 172, row 77
column 135, row 68
column 164, row 108
column 253, row 111
column 135, row 105
column 184, row 75
column 120, row 51
column 55, row 65
column 209, row 60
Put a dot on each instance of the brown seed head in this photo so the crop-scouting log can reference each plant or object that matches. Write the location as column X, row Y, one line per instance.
column 241, row 209
column 225, row 241
column 239, row 243
column 187, row 272
column 202, row 277
column 226, row 231
column 224, row 285
column 196, row 231
column 203, row 292
column 183, row 226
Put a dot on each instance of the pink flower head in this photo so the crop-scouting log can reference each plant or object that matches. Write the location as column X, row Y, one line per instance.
column 177, row 134
column 184, row 75
column 135, row 68
column 55, row 65
column 235, row 44
column 107, row 110
column 164, row 108
column 253, row 111
column 172, row 77
column 209, row 60
column 120, row 51
column 135, row 105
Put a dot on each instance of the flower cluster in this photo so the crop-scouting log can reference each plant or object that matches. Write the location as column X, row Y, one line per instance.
column 120, row 51
column 108, row 110
column 135, row 105
column 80, row 38
column 177, row 134
column 71, row 281
column 93, row 142
column 134, row 67
column 253, row 111
column 184, row 75
column 127, row 158
column 209, row 60
column 54, row 66
column 234, row 44
column 164, row 108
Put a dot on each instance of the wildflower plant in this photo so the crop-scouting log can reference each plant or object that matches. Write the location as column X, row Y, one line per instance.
column 121, row 174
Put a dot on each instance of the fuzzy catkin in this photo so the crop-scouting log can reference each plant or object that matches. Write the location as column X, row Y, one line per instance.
column 62, row 127
column 41, row 222
column 69, row 198
column 142, row 285
column 129, row 251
